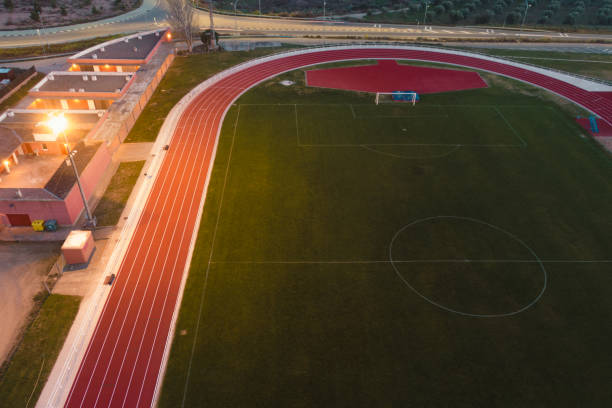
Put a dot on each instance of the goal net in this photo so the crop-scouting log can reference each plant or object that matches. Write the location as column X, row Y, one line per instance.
column 397, row 96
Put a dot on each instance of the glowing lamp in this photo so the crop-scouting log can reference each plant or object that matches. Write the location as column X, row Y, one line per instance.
column 57, row 124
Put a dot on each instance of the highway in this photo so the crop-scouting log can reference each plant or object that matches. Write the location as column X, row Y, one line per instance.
column 151, row 15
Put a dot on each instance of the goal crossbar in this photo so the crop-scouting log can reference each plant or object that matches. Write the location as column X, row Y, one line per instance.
column 398, row 97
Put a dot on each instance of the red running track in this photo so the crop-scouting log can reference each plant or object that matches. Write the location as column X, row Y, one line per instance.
column 125, row 354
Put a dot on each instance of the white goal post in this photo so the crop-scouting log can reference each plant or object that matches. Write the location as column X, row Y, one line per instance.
column 388, row 97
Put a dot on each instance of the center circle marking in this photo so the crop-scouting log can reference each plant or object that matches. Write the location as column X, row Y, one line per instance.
column 459, row 312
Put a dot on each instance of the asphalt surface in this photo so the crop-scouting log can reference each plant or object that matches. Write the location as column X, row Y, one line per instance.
column 152, row 15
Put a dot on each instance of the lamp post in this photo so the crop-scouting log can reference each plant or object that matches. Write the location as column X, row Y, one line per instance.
column 425, row 15
column 527, row 5
column 58, row 124
column 324, row 9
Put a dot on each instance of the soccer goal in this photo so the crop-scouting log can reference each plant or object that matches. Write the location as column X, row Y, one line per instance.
column 397, row 96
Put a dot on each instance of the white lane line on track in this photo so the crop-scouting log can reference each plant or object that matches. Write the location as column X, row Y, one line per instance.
column 134, row 241
column 154, row 265
column 210, row 163
column 176, row 259
column 142, row 267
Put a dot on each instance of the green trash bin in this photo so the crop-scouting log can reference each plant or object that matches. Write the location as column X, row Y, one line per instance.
column 51, row 225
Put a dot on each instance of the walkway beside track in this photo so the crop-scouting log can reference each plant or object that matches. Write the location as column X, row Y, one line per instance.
column 126, row 356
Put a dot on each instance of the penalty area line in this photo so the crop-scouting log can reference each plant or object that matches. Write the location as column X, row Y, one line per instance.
column 364, row 261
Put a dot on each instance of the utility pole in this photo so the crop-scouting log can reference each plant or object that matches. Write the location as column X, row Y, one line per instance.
column 527, row 5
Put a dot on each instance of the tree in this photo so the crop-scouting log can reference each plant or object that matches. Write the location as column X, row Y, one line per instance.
column 34, row 15
column 180, row 17
column 206, row 40
column 8, row 4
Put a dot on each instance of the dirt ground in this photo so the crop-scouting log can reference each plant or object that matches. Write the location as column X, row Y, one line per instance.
column 76, row 11
column 23, row 266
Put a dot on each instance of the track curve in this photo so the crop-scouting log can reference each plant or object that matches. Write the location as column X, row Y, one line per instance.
column 126, row 355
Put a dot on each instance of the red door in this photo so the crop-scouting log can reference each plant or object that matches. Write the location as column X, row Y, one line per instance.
column 19, row 220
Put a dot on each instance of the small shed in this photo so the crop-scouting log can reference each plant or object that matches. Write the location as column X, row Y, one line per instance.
column 78, row 247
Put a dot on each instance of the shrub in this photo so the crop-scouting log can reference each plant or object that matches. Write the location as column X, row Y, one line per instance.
column 63, row 11
column 34, row 15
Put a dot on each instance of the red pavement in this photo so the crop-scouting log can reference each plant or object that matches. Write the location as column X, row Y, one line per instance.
column 389, row 76
column 125, row 354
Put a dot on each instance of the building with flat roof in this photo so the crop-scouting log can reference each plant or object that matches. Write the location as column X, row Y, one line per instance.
column 80, row 90
column 36, row 181
column 124, row 54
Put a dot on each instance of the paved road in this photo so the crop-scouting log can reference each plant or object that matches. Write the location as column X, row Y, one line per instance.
column 151, row 14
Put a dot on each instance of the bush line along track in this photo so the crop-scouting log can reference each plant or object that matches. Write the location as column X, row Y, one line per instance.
column 126, row 356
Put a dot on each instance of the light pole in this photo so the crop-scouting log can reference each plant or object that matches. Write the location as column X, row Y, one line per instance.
column 527, row 5
column 58, row 124
column 324, row 3
column 213, row 39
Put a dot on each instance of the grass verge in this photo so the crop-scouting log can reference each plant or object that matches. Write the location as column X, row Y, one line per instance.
column 33, row 361
column 113, row 201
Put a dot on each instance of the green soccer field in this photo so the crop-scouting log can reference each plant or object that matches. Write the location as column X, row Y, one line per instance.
column 456, row 253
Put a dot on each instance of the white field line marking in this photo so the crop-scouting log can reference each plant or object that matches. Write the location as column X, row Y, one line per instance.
column 154, row 265
column 212, row 247
column 353, row 111
column 130, row 269
column 357, row 261
column 410, row 144
column 399, row 156
column 456, row 145
column 297, row 127
column 510, row 126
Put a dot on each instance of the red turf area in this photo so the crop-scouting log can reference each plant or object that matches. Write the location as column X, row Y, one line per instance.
column 389, row 76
